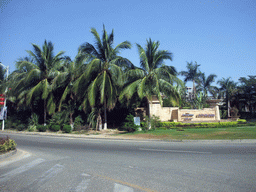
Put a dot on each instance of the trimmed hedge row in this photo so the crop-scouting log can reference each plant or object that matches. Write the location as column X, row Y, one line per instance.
column 174, row 125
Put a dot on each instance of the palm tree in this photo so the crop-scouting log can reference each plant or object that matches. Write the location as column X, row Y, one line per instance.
column 204, row 83
column 103, row 75
column 247, row 91
column 228, row 87
column 63, row 83
column 2, row 78
column 154, row 77
column 191, row 74
column 36, row 74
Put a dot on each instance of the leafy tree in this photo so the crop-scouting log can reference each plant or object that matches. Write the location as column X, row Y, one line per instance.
column 153, row 78
column 228, row 88
column 103, row 75
column 35, row 75
column 192, row 74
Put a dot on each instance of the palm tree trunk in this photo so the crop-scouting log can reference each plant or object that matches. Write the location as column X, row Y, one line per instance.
column 105, row 115
column 99, row 123
column 149, row 118
column 194, row 89
column 71, row 120
column 44, row 112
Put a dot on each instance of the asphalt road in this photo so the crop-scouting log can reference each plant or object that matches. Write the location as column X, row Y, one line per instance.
column 47, row 163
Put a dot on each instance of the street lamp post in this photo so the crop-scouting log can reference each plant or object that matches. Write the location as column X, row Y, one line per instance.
column 7, row 70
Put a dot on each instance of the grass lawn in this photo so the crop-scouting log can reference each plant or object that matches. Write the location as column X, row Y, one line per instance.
column 198, row 133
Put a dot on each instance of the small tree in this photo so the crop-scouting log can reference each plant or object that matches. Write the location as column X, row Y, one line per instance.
column 129, row 124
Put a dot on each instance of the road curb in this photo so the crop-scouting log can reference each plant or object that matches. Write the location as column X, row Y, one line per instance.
column 8, row 154
column 130, row 139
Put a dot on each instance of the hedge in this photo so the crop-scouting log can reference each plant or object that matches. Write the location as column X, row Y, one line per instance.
column 174, row 125
column 54, row 128
column 41, row 128
column 67, row 128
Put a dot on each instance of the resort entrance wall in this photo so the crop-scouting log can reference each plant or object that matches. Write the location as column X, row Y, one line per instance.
column 184, row 115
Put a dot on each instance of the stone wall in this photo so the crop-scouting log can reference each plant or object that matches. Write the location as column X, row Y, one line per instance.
column 184, row 115
column 206, row 114
column 164, row 113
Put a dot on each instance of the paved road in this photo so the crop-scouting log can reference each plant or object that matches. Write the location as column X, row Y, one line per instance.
column 47, row 163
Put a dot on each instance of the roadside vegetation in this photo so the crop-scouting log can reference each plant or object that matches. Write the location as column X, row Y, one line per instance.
column 100, row 89
column 6, row 144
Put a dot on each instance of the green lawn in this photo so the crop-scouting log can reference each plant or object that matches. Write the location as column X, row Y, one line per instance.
column 199, row 133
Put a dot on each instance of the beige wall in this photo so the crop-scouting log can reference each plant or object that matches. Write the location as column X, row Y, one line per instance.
column 174, row 113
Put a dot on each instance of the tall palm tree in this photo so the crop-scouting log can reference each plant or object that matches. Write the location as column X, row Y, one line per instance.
column 247, row 91
column 39, row 71
column 103, row 75
column 63, row 83
column 204, row 83
column 191, row 74
column 228, row 87
column 2, row 78
column 153, row 77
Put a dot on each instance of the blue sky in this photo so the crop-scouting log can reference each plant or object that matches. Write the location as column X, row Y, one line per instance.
column 219, row 35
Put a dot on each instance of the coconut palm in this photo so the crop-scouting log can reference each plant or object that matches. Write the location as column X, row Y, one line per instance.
column 228, row 88
column 204, row 83
column 247, row 91
column 103, row 75
column 154, row 78
column 36, row 74
column 2, row 78
column 63, row 83
column 191, row 74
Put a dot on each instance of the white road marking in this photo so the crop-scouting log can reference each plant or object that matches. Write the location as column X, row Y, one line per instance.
column 174, row 151
column 83, row 185
column 122, row 188
column 21, row 169
column 50, row 173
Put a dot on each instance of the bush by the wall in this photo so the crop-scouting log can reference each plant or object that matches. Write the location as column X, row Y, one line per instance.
column 54, row 128
column 174, row 125
column 66, row 128
column 21, row 127
column 241, row 121
column 129, row 124
column 41, row 128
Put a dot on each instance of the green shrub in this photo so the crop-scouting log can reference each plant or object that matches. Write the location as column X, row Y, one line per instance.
column 41, row 128
column 155, row 122
column 33, row 120
column 21, row 127
column 169, row 125
column 66, row 128
column 241, row 121
column 7, row 144
column 129, row 124
column 31, row 128
column 54, row 128
column 142, row 124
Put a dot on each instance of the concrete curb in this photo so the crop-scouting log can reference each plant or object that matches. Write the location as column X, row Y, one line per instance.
column 8, row 154
column 130, row 139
